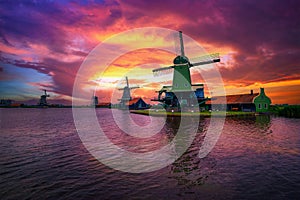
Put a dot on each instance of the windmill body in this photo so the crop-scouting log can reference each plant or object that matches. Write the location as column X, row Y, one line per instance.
column 126, row 97
column 181, row 76
column 126, row 94
column 43, row 99
column 95, row 101
column 183, row 93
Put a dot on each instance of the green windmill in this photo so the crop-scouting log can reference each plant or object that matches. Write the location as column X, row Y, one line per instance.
column 181, row 90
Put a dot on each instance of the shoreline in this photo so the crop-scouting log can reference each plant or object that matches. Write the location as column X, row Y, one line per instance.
column 289, row 111
column 193, row 114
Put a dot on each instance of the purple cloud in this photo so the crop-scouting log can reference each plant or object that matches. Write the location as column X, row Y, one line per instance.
column 263, row 34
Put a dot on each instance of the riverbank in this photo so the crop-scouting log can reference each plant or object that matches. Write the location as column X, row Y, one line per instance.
column 152, row 112
column 290, row 111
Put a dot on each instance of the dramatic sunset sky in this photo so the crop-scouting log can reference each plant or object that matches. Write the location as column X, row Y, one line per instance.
column 44, row 43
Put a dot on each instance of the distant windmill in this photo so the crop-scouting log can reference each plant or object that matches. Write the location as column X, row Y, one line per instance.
column 94, row 101
column 126, row 92
column 181, row 83
column 43, row 99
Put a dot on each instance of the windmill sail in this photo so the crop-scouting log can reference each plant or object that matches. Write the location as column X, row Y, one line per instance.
column 162, row 71
column 203, row 60
column 176, row 44
column 181, row 44
column 163, row 68
column 206, row 59
column 127, row 81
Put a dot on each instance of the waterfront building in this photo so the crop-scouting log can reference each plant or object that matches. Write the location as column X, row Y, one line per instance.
column 252, row 102
column 6, row 102
column 137, row 104
column 262, row 101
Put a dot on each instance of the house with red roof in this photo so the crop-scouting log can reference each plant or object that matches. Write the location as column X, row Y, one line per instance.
column 252, row 102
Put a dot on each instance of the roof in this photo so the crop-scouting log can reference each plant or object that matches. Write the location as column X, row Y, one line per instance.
column 133, row 101
column 233, row 99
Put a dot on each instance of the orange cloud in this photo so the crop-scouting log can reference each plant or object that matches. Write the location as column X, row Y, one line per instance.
column 55, row 43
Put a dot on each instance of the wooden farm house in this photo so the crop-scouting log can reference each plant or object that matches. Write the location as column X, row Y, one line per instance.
column 252, row 102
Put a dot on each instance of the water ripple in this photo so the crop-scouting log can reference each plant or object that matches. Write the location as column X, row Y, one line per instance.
column 42, row 157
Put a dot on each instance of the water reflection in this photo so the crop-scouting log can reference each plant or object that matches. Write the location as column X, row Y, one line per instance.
column 257, row 125
column 189, row 170
column 263, row 121
column 42, row 156
column 193, row 172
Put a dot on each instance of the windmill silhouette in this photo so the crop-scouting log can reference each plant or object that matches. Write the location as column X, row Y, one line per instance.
column 43, row 99
column 181, row 84
column 126, row 93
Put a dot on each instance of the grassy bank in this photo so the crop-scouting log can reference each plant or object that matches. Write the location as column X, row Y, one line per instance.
column 292, row 111
column 201, row 114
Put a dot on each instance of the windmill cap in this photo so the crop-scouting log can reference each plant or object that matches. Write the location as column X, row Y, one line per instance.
column 180, row 60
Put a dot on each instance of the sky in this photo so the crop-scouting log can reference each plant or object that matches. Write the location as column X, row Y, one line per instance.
column 44, row 44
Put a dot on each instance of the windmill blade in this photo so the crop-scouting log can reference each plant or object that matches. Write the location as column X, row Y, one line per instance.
column 206, row 59
column 134, row 87
column 181, row 44
column 204, row 63
column 176, row 44
column 163, row 70
column 127, row 81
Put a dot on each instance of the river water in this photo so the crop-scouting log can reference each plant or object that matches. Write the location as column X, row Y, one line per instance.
column 42, row 157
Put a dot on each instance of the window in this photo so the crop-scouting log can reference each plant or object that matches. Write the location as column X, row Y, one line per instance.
column 259, row 106
column 266, row 106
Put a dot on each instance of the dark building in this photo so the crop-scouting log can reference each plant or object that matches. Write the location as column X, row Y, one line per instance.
column 6, row 102
column 137, row 104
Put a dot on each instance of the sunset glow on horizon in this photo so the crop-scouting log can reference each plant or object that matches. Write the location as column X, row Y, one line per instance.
column 43, row 44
